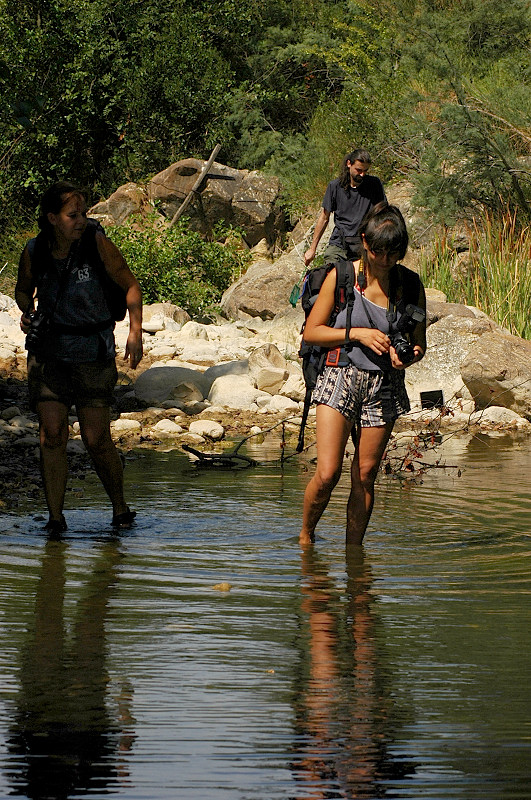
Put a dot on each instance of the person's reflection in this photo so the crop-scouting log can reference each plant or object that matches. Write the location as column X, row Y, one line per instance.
column 344, row 715
column 62, row 737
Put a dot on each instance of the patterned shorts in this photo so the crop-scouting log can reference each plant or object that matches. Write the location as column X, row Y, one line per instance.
column 370, row 398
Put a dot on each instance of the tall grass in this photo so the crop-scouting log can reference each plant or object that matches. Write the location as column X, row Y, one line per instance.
column 496, row 278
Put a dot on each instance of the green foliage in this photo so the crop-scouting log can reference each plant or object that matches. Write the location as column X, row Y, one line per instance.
column 497, row 277
column 437, row 90
column 176, row 265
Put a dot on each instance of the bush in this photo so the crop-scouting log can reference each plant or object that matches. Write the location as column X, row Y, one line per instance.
column 176, row 265
column 497, row 278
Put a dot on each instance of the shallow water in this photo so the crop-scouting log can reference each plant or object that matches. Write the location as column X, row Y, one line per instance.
column 398, row 671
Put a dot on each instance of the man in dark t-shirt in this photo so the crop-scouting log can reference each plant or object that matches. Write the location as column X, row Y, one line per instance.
column 349, row 197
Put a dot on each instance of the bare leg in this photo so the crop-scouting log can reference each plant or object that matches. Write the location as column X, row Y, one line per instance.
column 370, row 447
column 53, row 432
column 94, row 424
column 333, row 430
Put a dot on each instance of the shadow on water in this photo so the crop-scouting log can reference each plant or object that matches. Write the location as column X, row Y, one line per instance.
column 62, row 740
column 346, row 716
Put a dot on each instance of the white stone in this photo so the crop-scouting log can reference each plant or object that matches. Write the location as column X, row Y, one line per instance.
column 271, row 379
column 155, row 323
column 280, row 403
column 166, row 427
column 294, row 387
column 158, row 384
column 207, row 428
column 499, row 415
column 124, row 425
column 163, row 351
column 234, row 391
column 194, row 330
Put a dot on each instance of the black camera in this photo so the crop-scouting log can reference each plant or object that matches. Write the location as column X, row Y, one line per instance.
column 406, row 324
column 39, row 325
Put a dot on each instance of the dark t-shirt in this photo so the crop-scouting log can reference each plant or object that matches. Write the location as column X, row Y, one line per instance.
column 350, row 206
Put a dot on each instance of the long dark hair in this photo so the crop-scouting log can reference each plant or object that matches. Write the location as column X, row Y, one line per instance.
column 52, row 202
column 356, row 155
column 385, row 229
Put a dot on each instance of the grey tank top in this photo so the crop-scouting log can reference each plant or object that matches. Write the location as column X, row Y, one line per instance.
column 363, row 357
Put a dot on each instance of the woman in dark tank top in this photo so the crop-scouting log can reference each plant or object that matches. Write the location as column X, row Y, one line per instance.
column 70, row 347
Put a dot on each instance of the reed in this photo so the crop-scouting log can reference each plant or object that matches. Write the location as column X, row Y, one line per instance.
column 495, row 276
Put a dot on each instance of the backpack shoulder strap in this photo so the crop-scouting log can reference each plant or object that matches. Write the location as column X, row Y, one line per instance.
column 411, row 284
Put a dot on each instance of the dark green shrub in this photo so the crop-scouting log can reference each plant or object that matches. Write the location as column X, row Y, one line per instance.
column 177, row 265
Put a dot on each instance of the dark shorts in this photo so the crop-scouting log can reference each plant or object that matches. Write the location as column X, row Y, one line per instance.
column 336, row 252
column 370, row 399
column 84, row 385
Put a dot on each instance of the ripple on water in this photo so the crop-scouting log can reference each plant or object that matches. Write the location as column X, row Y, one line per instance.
column 401, row 672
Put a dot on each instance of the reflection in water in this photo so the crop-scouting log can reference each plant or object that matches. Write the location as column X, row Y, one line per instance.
column 345, row 716
column 62, row 738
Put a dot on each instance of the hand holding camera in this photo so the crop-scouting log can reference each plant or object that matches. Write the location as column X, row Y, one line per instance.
column 407, row 324
column 39, row 324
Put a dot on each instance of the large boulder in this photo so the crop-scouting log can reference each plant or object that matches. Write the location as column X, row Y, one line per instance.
column 159, row 384
column 449, row 341
column 264, row 290
column 236, row 392
column 497, row 372
column 248, row 200
column 126, row 200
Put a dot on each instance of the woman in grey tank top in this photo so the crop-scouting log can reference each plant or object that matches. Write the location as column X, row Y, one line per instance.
column 364, row 397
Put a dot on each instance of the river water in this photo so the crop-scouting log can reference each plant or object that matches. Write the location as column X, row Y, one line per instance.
column 204, row 654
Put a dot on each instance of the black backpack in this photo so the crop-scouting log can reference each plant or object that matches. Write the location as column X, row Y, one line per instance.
column 313, row 356
column 114, row 294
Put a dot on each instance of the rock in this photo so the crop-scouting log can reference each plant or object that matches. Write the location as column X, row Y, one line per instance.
column 261, row 251
column 234, row 391
column 268, row 355
column 163, row 351
column 285, row 330
column 255, row 208
column 194, row 330
column 294, row 388
column 497, row 371
column 449, row 342
column 6, row 302
column 27, row 441
column 264, row 290
column 158, row 384
column 436, row 310
column 126, row 200
column 10, row 413
column 271, row 379
column 166, row 311
column 166, row 427
column 153, row 324
column 248, row 200
column 280, row 403
column 207, row 428
column 124, row 425
column 499, row 417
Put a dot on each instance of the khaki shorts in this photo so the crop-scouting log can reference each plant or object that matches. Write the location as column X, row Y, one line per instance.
column 83, row 385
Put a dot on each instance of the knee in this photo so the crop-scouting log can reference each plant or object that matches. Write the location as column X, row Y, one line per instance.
column 327, row 478
column 97, row 441
column 367, row 475
column 53, row 436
